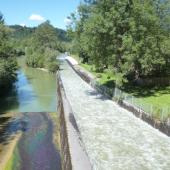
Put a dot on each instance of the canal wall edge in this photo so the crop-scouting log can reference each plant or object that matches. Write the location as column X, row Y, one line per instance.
column 73, row 154
column 163, row 126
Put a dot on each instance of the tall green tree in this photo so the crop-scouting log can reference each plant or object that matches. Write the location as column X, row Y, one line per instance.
column 8, row 64
column 128, row 36
column 44, row 47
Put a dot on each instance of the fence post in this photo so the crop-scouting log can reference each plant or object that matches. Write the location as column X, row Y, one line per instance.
column 151, row 110
column 161, row 113
column 115, row 92
column 132, row 100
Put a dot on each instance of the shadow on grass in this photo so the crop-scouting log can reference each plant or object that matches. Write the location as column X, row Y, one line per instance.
column 139, row 91
column 109, row 84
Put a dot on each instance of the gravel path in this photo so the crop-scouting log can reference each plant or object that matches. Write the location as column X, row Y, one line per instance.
column 114, row 138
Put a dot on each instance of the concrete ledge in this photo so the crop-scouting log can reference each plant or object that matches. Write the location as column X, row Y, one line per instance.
column 163, row 126
column 87, row 77
column 73, row 154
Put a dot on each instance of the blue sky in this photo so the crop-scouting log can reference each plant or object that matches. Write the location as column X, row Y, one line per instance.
column 34, row 12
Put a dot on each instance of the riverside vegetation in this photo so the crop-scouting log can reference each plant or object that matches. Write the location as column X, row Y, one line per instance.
column 124, row 42
column 25, row 91
column 40, row 46
column 8, row 63
column 44, row 48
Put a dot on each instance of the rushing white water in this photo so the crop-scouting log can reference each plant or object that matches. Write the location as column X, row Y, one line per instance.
column 114, row 138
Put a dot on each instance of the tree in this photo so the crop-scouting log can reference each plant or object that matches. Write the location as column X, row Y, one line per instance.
column 44, row 47
column 8, row 64
column 128, row 36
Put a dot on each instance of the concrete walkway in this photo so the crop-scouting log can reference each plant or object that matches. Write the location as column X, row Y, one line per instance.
column 114, row 138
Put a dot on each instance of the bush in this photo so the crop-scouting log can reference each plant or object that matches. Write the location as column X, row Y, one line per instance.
column 99, row 76
column 53, row 66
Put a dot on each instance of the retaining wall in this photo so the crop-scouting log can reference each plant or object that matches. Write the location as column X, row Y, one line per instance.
column 73, row 154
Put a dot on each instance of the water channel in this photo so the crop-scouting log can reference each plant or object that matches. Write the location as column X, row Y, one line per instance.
column 32, row 105
column 113, row 137
column 34, row 91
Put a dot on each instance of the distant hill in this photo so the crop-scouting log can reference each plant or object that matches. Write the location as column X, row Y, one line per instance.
column 20, row 32
column 62, row 34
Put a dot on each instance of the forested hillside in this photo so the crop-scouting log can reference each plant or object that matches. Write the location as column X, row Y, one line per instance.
column 41, row 44
column 20, row 32
column 130, row 37
column 44, row 48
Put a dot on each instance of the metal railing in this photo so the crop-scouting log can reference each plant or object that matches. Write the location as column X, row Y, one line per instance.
column 157, row 112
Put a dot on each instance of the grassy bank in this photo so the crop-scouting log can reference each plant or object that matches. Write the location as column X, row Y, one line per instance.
column 155, row 99
column 106, row 78
column 13, row 163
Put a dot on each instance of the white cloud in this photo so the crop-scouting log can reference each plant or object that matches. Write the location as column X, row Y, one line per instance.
column 67, row 21
column 36, row 17
column 22, row 24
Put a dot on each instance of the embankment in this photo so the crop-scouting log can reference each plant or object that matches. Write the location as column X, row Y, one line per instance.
column 73, row 154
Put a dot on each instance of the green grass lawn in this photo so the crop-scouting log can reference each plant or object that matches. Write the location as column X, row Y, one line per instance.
column 159, row 96
column 156, row 99
column 106, row 78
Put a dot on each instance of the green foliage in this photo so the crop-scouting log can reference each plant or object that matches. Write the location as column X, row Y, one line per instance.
column 130, row 36
column 22, row 37
column 8, row 64
column 44, row 48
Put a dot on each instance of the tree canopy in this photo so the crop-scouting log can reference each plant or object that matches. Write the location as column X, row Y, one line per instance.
column 130, row 37
column 8, row 64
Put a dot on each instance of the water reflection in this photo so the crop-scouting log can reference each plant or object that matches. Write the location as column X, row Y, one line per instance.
column 9, row 101
column 34, row 91
column 36, row 144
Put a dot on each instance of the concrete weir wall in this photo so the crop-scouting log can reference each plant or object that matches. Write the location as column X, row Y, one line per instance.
column 73, row 153
column 163, row 126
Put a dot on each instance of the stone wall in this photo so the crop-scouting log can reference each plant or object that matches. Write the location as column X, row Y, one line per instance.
column 73, row 154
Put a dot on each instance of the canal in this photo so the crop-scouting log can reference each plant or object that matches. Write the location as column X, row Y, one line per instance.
column 28, row 118
column 34, row 91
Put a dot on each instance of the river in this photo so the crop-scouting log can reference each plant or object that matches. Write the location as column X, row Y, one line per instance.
column 31, row 105
column 34, row 91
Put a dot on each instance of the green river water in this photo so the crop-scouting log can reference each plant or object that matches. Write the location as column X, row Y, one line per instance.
column 34, row 91
column 33, row 101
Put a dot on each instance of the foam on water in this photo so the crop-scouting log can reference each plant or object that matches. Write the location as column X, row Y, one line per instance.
column 114, row 138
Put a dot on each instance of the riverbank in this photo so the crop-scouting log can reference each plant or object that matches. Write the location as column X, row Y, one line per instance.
column 34, row 91
column 33, row 143
column 7, row 152
column 8, row 138
column 43, row 69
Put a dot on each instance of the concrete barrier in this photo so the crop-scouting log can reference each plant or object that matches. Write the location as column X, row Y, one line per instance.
column 73, row 154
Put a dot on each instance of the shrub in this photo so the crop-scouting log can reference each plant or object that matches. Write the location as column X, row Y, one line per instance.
column 53, row 66
column 99, row 76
